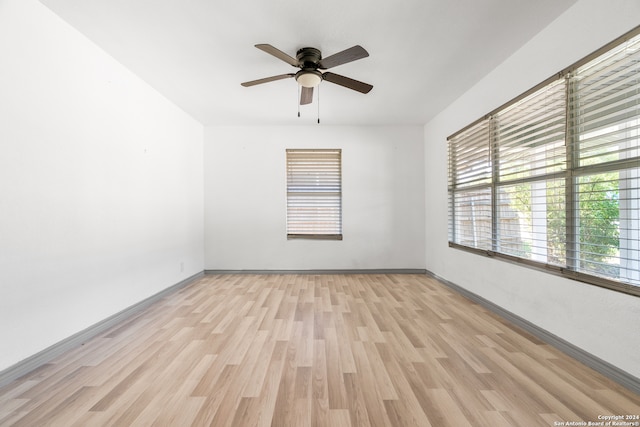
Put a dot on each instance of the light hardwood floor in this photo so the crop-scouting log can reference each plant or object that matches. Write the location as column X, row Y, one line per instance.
column 302, row 350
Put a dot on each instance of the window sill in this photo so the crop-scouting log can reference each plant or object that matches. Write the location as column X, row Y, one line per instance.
column 314, row 236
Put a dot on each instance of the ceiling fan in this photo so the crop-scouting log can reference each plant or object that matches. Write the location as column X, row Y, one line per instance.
column 312, row 66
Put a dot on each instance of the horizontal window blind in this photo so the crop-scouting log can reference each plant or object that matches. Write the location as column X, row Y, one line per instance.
column 472, row 225
column 529, row 135
column 314, row 193
column 605, row 102
column 552, row 179
column 469, row 157
column 531, row 221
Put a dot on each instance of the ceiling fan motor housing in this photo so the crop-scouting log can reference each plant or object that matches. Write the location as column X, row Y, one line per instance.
column 309, row 57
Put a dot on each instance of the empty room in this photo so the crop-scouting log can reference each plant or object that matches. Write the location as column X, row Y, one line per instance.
column 339, row 213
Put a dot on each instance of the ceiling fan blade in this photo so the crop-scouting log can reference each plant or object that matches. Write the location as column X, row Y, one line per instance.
column 267, row 80
column 306, row 97
column 347, row 82
column 278, row 54
column 348, row 55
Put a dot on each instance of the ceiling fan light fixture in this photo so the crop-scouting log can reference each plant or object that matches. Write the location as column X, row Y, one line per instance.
column 309, row 78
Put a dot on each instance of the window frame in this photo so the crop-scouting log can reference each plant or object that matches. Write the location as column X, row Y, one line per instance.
column 328, row 185
column 571, row 175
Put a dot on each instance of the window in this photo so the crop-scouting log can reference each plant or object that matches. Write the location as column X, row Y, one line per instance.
column 314, row 194
column 552, row 178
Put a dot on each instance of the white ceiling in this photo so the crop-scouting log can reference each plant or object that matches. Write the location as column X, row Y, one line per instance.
column 423, row 53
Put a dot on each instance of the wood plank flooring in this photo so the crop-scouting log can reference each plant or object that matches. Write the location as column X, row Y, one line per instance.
column 322, row 350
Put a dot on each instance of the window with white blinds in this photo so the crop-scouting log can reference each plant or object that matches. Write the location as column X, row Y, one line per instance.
column 314, row 194
column 530, row 164
column 605, row 101
column 470, row 187
column 552, row 178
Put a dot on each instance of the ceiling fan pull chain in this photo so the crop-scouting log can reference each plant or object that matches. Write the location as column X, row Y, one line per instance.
column 298, row 97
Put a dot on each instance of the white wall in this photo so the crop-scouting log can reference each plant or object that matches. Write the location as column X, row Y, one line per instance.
column 602, row 322
column 100, row 184
column 245, row 198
